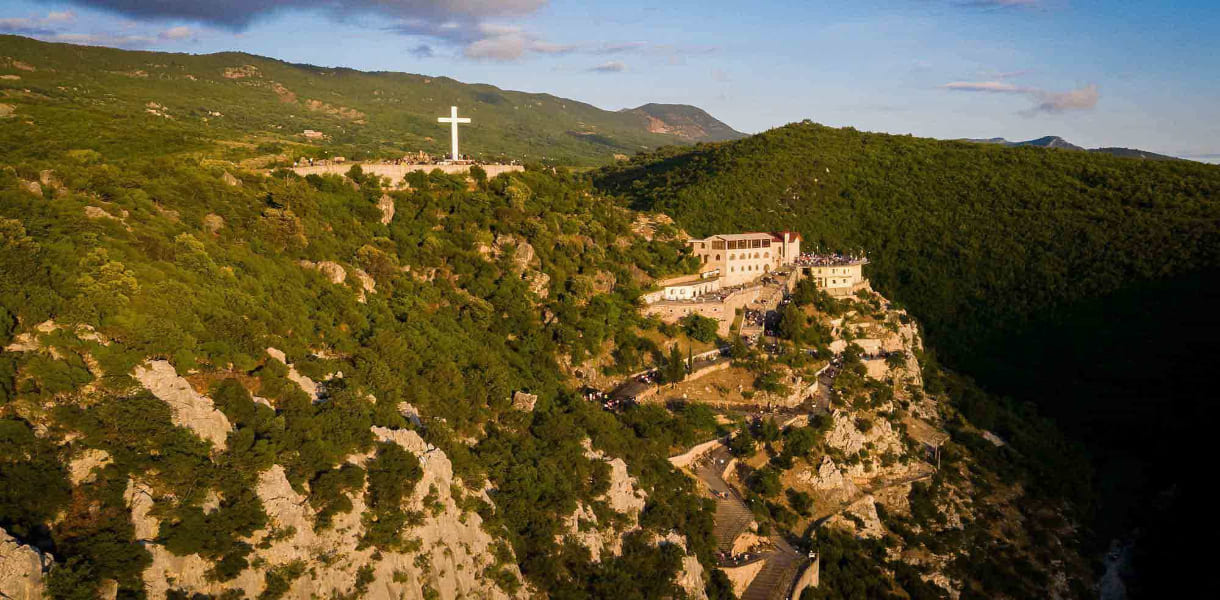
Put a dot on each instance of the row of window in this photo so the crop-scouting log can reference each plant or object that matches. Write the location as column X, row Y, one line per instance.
column 764, row 268
column 736, row 244
column 735, row 257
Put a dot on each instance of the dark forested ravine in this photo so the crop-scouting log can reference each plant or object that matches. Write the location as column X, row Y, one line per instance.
column 1081, row 284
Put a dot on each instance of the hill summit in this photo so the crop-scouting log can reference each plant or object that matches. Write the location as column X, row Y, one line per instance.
column 167, row 102
column 1056, row 142
column 687, row 122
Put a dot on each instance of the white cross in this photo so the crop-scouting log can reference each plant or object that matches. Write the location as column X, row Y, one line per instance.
column 453, row 120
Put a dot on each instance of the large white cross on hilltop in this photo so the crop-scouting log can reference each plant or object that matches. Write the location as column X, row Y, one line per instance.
column 453, row 120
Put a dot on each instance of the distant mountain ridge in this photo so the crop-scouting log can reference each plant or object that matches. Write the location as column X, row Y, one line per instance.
column 685, row 121
column 1054, row 141
column 161, row 101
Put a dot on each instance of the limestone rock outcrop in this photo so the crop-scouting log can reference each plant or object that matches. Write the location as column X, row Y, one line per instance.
column 860, row 519
column 540, row 283
column 189, row 408
column 524, row 401
column 332, row 270
column 20, row 570
column 81, row 467
column 386, row 205
column 367, row 285
column 213, row 223
column 458, row 551
column 880, row 439
column 829, row 480
column 306, row 384
column 623, row 496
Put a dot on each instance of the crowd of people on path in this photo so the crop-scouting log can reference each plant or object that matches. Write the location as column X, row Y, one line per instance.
column 813, row 259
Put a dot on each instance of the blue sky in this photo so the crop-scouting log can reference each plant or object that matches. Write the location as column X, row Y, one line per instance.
column 1098, row 73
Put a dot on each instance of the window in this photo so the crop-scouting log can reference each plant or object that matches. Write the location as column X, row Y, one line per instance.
column 717, row 245
column 717, row 257
column 732, row 257
column 766, row 255
column 756, row 255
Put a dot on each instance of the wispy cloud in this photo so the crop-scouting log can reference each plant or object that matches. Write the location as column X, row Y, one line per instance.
column 236, row 15
column 1002, row 3
column 56, row 26
column 37, row 26
column 181, row 32
column 1045, row 101
column 612, row 66
column 1084, row 98
column 985, row 86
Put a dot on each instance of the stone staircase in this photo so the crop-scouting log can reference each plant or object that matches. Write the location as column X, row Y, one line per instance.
column 777, row 575
column 732, row 519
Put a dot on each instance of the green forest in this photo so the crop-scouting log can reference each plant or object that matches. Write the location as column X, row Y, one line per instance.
column 1081, row 283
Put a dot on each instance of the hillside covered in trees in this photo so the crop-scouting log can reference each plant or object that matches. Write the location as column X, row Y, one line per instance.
column 426, row 319
column 1083, row 283
column 133, row 103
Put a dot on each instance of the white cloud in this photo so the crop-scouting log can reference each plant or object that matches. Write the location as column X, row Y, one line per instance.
column 36, row 25
column 1084, row 98
column 612, row 66
column 63, row 16
column 508, row 42
column 180, row 32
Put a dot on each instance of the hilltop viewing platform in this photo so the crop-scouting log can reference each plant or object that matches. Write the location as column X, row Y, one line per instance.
column 397, row 170
column 812, row 259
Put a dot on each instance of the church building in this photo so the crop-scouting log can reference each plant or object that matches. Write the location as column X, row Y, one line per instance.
column 742, row 257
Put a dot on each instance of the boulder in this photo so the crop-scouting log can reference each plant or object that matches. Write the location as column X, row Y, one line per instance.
column 410, row 412
column 34, row 188
column 96, row 212
column 332, row 270
column 230, row 180
column 524, row 401
column 213, row 223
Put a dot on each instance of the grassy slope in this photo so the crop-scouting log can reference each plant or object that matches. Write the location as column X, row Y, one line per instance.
column 77, row 90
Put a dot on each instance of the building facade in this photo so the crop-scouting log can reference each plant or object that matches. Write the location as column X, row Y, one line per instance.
column 838, row 279
column 743, row 257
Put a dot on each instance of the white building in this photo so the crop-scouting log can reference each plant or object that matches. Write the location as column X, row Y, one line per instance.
column 743, row 257
column 686, row 287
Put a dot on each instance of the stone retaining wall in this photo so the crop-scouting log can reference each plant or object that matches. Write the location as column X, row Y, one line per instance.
column 397, row 172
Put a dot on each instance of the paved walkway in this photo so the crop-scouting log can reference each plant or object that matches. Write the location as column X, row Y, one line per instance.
column 782, row 563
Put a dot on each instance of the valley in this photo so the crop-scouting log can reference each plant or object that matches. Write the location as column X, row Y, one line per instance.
column 267, row 333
